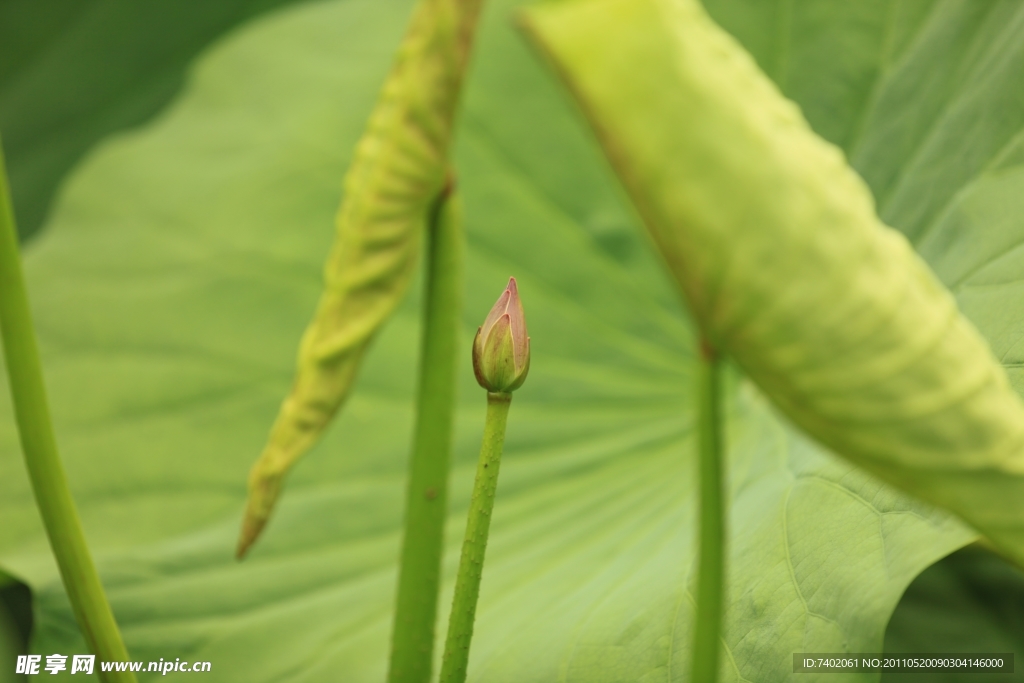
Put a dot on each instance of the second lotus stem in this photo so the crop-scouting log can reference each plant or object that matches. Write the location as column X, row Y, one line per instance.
column 467, row 582
column 419, row 573
column 711, row 560
column 45, row 469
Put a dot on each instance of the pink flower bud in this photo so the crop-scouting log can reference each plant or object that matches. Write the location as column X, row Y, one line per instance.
column 501, row 350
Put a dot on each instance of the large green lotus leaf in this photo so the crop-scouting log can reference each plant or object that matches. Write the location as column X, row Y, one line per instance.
column 775, row 244
column 920, row 96
column 72, row 73
column 170, row 292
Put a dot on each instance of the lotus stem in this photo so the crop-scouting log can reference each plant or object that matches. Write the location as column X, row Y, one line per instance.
column 707, row 631
column 46, row 472
column 419, row 574
column 467, row 582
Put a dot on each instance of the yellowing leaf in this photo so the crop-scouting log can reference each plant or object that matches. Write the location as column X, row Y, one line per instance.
column 398, row 169
column 775, row 244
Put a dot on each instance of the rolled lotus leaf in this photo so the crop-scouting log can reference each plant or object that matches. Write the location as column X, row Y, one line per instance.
column 776, row 246
column 398, row 170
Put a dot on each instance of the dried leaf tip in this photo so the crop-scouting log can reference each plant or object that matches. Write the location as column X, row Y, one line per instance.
column 501, row 349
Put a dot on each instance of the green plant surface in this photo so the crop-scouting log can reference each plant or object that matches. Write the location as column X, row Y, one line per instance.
column 711, row 520
column 398, row 169
column 825, row 308
column 11, row 645
column 70, row 74
column 183, row 262
column 986, row 594
column 918, row 96
column 426, row 499
column 466, row 593
column 38, row 442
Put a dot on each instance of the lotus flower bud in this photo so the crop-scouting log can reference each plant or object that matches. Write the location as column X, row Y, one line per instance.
column 501, row 350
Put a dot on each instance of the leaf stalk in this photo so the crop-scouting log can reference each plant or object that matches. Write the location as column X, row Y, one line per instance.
column 711, row 562
column 39, row 444
column 419, row 573
column 471, row 564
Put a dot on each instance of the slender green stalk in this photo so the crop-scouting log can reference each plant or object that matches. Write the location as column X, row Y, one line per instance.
column 40, row 447
column 471, row 565
column 419, row 574
column 707, row 631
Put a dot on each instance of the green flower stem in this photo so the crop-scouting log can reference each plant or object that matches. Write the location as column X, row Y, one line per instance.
column 419, row 574
column 707, row 632
column 471, row 565
column 49, row 482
